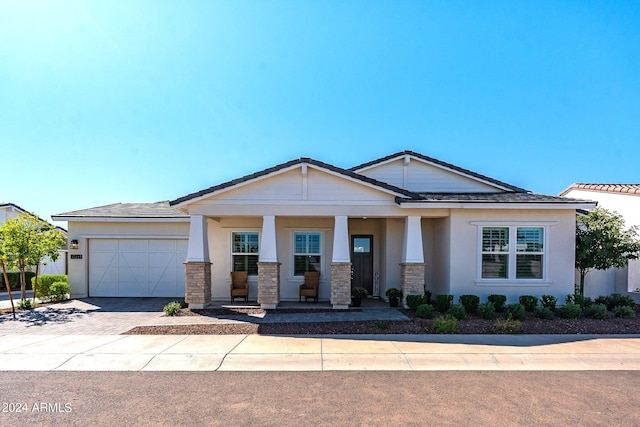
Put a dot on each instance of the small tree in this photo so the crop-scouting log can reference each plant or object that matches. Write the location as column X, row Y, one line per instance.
column 602, row 242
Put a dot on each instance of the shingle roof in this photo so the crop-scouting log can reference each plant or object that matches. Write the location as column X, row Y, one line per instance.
column 442, row 164
column 128, row 210
column 265, row 172
column 607, row 188
column 508, row 197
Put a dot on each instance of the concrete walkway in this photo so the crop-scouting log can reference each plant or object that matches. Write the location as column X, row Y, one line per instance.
column 318, row 353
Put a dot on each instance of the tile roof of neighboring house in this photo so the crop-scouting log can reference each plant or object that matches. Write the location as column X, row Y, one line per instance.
column 265, row 172
column 513, row 197
column 444, row 165
column 607, row 188
column 13, row 205
column 128, row 210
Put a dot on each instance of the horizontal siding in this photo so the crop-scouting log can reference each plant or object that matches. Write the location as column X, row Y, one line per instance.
column 285, row 186
column 391, row 173
column 323, row 186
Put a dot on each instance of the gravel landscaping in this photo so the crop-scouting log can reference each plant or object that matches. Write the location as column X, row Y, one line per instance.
column 415, row 325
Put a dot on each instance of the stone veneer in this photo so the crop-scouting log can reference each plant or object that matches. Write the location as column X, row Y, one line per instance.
column 411, row 279
column 340, row 284
column 198, row 284
column 268, row 284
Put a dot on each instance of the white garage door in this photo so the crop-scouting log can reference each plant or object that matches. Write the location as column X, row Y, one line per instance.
column 137, row 267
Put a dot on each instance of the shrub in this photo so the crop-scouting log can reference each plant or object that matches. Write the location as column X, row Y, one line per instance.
column 624, row 311
column 457, row 311
column 393, row 293
column 529, row 302
column 515, row 311
column 509, row 325
column 445, row 324
column 544, row 313
column 14, row 280
column 25, row 304
column 425, row 311
column 487, row 311
column 172, row 308
column 413, row 301
column 381, row 325
column 569, row 311
column 443, row 302
column 58, row 291
column 549, row 301
column 616, row 300
column 183, row 303
column 470, row 303
column 359, row 292
column 498, row 301
column 427, row 297
column 44, row 283
column 595, row 311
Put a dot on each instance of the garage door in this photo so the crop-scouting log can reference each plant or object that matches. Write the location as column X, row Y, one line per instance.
column 137, row 267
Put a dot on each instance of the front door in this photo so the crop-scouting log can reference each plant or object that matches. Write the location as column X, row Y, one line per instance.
column 362, row 262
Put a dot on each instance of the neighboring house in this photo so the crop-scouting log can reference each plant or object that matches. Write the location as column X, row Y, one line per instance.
column 624, row 199
column 10, row 210
column 405, row 220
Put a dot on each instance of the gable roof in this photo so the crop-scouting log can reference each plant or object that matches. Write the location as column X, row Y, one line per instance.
column 283, row 166
column 16, row 207
column 441, row 164
column 158, row 210
column 633, row 189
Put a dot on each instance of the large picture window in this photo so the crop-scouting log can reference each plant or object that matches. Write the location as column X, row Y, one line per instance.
column 306, row 252
column 513, row 252
column 244, row 251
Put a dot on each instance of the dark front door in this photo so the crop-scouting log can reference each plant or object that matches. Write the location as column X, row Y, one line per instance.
column 362, row 262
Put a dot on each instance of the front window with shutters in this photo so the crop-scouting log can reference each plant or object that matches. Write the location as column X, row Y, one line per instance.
column 306, row 252
column 513, row 252
column 244, row 251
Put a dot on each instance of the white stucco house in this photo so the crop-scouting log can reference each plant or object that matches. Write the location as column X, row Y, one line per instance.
column 405, row 220
column 59, row 266
column 624, row 199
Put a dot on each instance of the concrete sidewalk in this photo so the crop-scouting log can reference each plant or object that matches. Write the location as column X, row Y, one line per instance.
column 318, row 353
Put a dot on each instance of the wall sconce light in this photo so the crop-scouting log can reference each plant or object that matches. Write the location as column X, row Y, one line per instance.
column 74, row 244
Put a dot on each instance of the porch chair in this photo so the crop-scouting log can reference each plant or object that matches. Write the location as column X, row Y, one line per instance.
column 309, row 289
column 239, row 285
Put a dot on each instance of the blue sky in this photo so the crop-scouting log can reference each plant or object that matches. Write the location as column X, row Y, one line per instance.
column 104, row 101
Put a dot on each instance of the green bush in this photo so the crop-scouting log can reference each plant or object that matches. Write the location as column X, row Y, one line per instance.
column 470, row 303
column 457, row 311
column 183, row 303
column 58, row 291
column 498, row 301
column 381, row 325
column 44, row 283
column 578, row 299
column 487, row 311
column 172, row 308
column 413, row 301
column 515, row 311
column 616, row 300
column 427, row 297
column 443, row 302
column 445, row 324
column 569, row 311
column 549, row 301
column 425, row 311
column 624, row 311
column 595, row 311
column 25, row 304
column 509, row 325
column 544, row 313
column 14, row 280
column 529, row 302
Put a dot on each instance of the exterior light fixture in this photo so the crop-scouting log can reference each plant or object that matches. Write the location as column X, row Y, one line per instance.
column 74, row 244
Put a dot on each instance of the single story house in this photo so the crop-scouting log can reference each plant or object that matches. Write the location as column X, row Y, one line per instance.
column 624, row 199
column 59, row 266
column 405, row 220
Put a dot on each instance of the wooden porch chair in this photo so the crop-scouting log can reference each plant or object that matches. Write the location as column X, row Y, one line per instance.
column 309, row 289
column 239, row 287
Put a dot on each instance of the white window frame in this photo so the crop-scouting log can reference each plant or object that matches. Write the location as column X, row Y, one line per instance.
column 232, row 253
column 294, row 253
column 513, row 253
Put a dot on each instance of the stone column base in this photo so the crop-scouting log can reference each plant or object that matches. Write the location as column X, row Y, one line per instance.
column 411, row 279
column 198, row 284
column 340, row 285
column 268, row 285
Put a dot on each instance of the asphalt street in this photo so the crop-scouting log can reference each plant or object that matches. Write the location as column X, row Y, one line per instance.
column 361, row 398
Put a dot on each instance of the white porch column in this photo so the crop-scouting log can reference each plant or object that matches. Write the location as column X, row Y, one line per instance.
column 412, row 249
column 268, row 265
column 268, row 247
column 341, row 264
column 198, row 249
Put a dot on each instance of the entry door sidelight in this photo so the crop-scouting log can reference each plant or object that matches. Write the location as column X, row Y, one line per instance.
column 362, row 262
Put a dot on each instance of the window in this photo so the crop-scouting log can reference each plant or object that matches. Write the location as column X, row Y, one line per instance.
column 512, row 252
column 244, row 251
column 306, row 252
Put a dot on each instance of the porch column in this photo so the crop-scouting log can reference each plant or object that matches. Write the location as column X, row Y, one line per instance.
column 268, row 265
column 341, row 265
column 412, row 265
column 198, row 265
